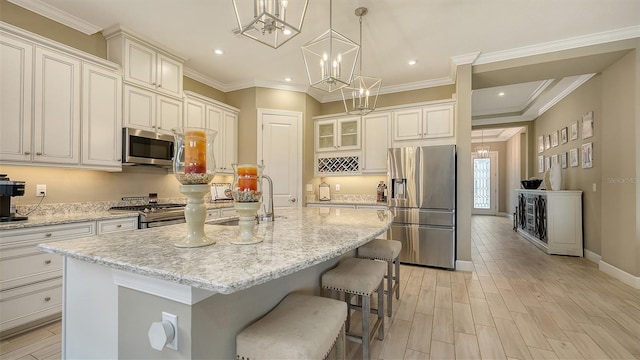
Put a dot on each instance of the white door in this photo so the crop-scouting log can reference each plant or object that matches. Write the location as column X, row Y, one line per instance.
column 485, row 184
column 280, row 150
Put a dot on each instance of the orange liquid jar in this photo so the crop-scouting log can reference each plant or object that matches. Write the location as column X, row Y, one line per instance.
column 195, row 152
column 246, row 183
column 248, row 178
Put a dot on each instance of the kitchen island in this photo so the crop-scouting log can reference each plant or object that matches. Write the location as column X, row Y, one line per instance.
column 117, row 285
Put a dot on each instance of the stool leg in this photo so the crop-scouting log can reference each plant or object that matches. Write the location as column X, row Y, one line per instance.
column 341, row 353
column 347, row 298
column 389, row 287
column 366, row 310
column 397, row 277
column 381, row 309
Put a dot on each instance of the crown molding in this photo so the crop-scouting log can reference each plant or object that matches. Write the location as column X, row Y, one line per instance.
column 458, row 60
column 564, row 93
column 197, row 76
column 560, row 45
column 57, row 15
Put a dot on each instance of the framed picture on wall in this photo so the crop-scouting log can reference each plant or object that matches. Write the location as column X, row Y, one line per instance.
column 540, row 163
column 547, row 163
column 574, row 131
column 573, row 157
column 547, row 142
column 587, row 155
column 563, row 135
column 563, row 160
column 587, row 125
column 554, row 138
column 554, row 159
column 540, row 144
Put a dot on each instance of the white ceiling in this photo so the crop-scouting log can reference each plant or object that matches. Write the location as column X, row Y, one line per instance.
column 437, row 33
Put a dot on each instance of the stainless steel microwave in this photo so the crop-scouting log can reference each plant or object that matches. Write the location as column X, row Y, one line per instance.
column 146, row 147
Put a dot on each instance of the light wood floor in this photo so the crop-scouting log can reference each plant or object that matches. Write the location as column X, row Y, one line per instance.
column 518, row 304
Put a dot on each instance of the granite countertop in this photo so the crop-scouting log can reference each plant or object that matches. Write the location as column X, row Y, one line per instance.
column 303, row 238
column 89, row 215
column 348, row 202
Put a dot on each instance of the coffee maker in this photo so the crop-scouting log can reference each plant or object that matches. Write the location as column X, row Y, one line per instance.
column 9, row 189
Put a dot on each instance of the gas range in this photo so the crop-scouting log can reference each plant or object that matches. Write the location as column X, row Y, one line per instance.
column 153, row 215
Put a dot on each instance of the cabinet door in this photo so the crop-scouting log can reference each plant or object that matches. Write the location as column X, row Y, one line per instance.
column 438, row 121
column 139, row 108
column 230, row 142
column 326, row 135
column 375, row 142
column 57, row 108
column 101, row 117
column 215, row 122
column 194, row 113
column 407, row 124
column 139, row 64
column 168, row 114
column 16, row 60
column 169, row 75
column 348, row 134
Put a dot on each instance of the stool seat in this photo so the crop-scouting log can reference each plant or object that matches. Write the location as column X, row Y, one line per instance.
column 355, row 276
column 299, row 327
column 380, row 249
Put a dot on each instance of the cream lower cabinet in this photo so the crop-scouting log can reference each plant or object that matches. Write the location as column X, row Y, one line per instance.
column 31, row 280
column 551, row 220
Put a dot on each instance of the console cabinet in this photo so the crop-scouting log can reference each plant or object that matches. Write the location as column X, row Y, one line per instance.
column 551, row 220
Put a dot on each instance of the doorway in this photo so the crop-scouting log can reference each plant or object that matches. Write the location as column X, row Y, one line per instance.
column 485, row 184
column 280, row 151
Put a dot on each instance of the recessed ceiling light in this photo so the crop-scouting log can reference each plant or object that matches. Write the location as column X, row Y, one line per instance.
column 501, row 93
column 413, row 62
column 286, row 31
column 218, row 52
column 287, row 79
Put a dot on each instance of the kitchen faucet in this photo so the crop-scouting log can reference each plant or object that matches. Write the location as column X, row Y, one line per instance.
column 268, row 214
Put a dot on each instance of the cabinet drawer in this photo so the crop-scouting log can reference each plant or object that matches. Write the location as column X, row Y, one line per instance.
column 228, row 212
column 117, row 225
column 43, row 234
column 213, row 214
column 28, row 303
column 20, row 266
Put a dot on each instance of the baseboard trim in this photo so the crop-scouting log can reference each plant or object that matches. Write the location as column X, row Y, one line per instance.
column 625, row 277
column 591, row 256
column 463, row 265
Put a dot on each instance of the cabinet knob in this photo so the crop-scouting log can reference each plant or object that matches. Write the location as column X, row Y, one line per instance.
column 159, row 85
column 38, row 153
column 47, row 235
column 27, row 152
column 119, row 225
column 47, row 262
column 293, row 200
column 48, row 298
column 118, row 159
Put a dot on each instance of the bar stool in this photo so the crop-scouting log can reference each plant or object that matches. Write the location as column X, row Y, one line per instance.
column 386, row 250
column 299, row 327
column 362, row 278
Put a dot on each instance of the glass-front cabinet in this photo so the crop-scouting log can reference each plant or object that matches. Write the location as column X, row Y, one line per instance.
column 338, row 134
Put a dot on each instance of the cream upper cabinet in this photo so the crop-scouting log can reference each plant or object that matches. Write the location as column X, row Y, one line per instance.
column 337, row 134
column 147, row 110
column 201, row 111
column 56, row 130
column 375, row 142
column 427, row 122
column 144, row 64
column 101, row 117
column 16, row 99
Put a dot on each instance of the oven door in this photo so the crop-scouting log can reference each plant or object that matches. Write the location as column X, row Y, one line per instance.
column 163, row 222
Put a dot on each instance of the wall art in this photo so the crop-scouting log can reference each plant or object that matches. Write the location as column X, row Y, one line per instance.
column 587, row 155
column 573, row 157
column 564, row 135
column 587, row 125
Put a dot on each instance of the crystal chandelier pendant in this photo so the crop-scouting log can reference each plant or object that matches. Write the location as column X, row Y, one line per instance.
column 271, row 22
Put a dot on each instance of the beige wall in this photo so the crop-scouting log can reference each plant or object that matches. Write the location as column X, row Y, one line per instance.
column 245, row 100
column 203, row 89
column 583, row 100
column 619, row 164
column 513, row 170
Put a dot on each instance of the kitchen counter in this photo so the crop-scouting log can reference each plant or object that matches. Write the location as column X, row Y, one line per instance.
column 58, row 219
column 304, row 238
column 348, row 202
column 117, row 285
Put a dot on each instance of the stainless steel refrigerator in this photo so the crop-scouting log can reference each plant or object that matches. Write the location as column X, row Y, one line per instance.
column 423, row 199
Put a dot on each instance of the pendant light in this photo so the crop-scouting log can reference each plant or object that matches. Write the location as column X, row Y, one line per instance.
column 271, row 22
column 330, row 59
column 361, row 96
column 482, row 151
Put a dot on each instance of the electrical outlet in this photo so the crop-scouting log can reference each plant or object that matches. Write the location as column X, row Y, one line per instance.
column 309, row 187
column 337, row 187
column 41, row 190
